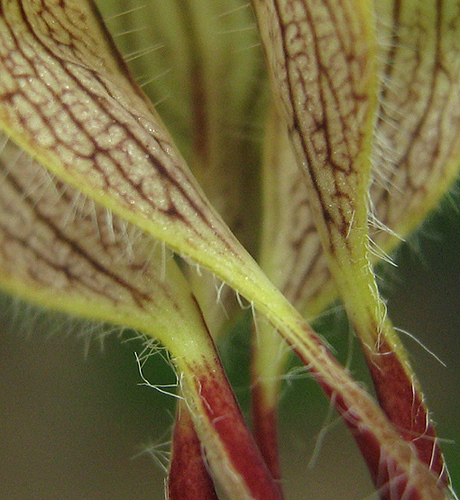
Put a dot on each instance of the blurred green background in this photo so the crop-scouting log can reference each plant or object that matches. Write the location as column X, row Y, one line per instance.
column 75, row 423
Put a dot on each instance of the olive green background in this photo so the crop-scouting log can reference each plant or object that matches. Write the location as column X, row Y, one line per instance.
column 76, row 424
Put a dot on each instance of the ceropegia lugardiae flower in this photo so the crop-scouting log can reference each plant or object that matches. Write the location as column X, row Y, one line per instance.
column 339, row 72
column 69, row 102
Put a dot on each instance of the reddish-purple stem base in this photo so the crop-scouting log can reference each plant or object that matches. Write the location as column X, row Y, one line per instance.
column 406, row 409
column 265, row 430
column 188, row 477
column 223, row 412
column 391, row 481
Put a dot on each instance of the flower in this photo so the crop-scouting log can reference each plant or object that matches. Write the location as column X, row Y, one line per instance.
column 84, row 144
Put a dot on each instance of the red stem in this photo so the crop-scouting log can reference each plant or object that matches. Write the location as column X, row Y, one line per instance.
column 391, row 481
column 221, row 411
column 265, row 430
column 402, row 402
column 188, row 477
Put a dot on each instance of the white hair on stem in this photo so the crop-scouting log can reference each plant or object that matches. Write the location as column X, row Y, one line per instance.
column 130, row 31
column 136, row 54
column 379, row 253
column 422, row 345
column 329, row 422
column 162, row 388
column 144, row 81
column 241, row 29
column 25, row 319
column 239, row 8
column 160, row 453
column 124, row 13
column 159, row 450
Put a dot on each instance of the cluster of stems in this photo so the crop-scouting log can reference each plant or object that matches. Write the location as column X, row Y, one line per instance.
column 107, row 213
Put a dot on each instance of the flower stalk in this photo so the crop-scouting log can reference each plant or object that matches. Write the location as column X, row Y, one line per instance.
column 66, row 253
column 80, row 127
column 324, row 70
column 188, row 477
